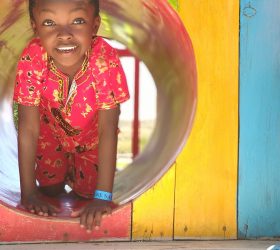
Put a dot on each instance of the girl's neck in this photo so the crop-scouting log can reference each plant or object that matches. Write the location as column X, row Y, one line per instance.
column 73, row 70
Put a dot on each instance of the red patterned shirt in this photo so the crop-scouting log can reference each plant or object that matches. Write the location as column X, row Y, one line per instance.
column 71, row 115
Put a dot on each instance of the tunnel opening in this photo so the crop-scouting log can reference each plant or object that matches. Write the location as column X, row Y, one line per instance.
column 153, row 32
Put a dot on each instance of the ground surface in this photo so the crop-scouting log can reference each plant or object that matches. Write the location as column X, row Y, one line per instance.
column 218, row 245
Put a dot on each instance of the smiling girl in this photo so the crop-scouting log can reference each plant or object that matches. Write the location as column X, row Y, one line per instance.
column 69, row 85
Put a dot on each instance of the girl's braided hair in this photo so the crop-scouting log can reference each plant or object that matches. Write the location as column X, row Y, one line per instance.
column 33, row 2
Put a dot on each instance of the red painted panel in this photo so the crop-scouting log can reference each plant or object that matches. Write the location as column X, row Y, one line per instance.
column 135, row 134
column 21, row 226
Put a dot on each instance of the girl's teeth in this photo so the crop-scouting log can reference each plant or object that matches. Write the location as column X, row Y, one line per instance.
column 66, row 48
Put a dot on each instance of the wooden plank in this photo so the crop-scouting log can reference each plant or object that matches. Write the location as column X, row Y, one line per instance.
column 154, row 245
column 206, row 176
column 259, row 192
column 153, row 211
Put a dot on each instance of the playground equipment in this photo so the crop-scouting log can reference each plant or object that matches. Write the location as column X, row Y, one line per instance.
column 153, row 32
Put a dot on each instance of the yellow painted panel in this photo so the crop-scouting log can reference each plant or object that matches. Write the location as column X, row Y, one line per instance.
column 153, row 212
column 206, row 183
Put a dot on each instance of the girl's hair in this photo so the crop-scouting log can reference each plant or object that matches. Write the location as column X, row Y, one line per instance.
column 32, row 3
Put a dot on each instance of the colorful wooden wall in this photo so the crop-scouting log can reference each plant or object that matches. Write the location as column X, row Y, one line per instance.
column 224, row 184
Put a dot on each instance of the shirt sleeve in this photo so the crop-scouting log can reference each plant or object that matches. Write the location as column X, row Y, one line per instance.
column 29, row 76
column 113, row 89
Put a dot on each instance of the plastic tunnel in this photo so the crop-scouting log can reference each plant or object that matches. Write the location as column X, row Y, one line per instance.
column 153, row 32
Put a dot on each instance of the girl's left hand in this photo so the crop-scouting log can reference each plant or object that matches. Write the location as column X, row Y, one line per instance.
column 91, row 214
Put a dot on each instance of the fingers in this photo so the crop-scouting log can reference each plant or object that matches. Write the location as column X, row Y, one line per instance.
column 83, row 219
column 30, row 208
column 38, row 210
column 97, row 220
column 53, row 210
column 45, row 210
column 108, row 211
column 77, row 213
column 89, row 221
column 90, row 218
column 42, row 209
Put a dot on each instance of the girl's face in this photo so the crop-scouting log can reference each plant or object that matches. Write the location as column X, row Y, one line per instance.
column 66, row 28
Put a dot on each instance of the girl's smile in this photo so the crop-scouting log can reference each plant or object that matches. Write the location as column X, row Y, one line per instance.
column 66, row 49
column 66, row 28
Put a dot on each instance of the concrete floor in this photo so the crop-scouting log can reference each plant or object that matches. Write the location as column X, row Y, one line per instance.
column 197, row 245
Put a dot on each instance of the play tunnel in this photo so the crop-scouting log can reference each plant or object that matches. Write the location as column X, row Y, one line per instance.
column 153, row 32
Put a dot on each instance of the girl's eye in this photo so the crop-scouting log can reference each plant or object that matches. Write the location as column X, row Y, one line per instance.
column 48, row 22
column 79, row 21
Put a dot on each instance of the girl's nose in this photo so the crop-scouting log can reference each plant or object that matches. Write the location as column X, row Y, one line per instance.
column 64, row 33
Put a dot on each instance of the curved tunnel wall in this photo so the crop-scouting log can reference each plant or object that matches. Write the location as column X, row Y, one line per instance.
column 176, row 88
column 133, row 25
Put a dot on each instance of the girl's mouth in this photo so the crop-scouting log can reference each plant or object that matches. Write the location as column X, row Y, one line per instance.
column 66, row 49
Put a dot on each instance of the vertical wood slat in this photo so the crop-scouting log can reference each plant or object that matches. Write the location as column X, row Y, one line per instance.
column 153, row 212
column 206, row 183
column 259, row 161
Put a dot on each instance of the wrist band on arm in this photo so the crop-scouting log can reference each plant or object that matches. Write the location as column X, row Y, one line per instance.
column 102, row 195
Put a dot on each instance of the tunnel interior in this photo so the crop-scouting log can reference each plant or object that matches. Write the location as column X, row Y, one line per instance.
column 154, row 33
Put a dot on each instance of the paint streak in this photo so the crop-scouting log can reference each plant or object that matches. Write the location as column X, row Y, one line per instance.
column 249, row 11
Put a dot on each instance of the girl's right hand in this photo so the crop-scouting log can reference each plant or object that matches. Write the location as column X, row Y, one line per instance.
column 36, row 205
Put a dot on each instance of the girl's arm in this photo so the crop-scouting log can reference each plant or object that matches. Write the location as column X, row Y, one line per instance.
column 28, row 133
column 107, row 149
column 91, row 215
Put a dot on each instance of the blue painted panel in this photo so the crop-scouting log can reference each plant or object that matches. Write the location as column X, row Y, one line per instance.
column 259, row 150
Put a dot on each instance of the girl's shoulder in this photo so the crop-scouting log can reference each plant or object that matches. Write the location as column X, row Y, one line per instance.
column 35, row 50
column 100, row 47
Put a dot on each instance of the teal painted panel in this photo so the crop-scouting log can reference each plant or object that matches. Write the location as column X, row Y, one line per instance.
column 259, row 149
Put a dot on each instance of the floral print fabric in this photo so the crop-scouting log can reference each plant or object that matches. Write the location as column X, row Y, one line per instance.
column 69, row 111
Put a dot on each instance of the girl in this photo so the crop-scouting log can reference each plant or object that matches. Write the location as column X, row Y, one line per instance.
column 69, row 85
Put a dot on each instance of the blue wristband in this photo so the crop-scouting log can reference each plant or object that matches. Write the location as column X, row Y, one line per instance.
column 102, row 195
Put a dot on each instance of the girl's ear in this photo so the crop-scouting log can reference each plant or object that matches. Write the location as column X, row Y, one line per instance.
column 96, row 25
column 33, row 25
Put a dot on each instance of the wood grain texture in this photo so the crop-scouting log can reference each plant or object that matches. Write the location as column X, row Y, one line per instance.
column 153, row 212
column 206, row 176
column 259, row 192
